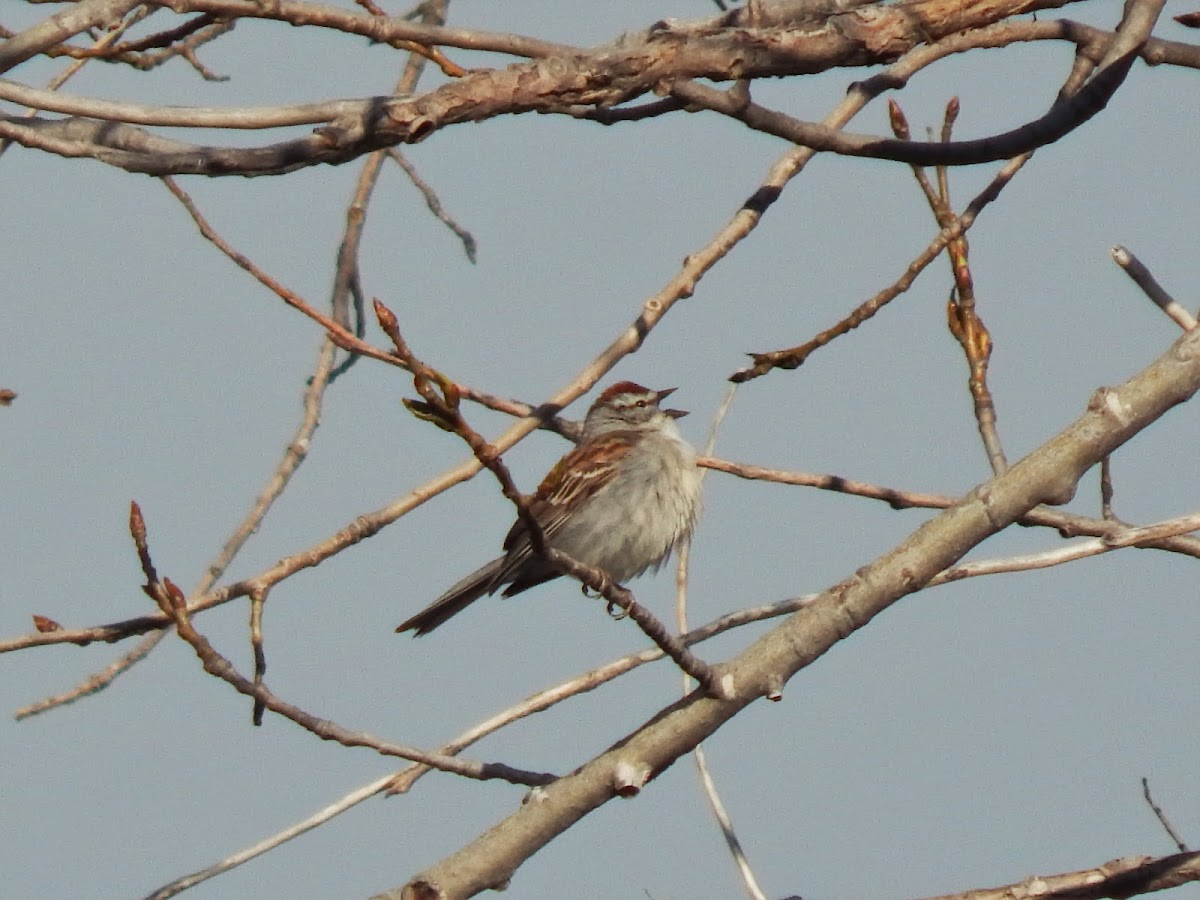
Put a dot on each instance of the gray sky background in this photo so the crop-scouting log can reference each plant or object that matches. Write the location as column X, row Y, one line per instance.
column 973, row 735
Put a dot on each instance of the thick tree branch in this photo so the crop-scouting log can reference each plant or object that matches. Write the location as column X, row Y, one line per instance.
column 660, row 58
column 1048, row 475
column 1125, row 877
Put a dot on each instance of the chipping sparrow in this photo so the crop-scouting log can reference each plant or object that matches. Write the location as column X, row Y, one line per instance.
column 621, row 501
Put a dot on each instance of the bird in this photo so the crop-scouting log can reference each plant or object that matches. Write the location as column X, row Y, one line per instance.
column 622, row 501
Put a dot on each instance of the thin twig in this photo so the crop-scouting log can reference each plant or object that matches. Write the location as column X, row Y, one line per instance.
column 338, row 333
column 172, row 603
column 1125, row 877
column 961, row 311
column 1162, row 817
column 349, row 801
column 1144, row 278
column 685, row 552
column 95, row 682
column 415, row 37
column 707, row 784
column 342, row 336
column 963, row 319
column 899, row 124
column 795, row 356
column 151, row 41
column 1106, row 488
column 257, row 601
column 217, row 665
column 434, row 204
column 1123, row 536
column 749, row 881
column 613, row 114
column 441, row 407
column 951, row 116
column 185, row 49
column 142, row 54
column 1067, row 524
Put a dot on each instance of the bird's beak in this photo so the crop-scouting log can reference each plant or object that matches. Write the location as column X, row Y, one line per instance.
column 662, row 395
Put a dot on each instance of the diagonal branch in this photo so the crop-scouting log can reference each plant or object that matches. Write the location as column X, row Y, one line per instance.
column 1125, row 877
column 1049, row 474
column 171, row 602
column 793, row 357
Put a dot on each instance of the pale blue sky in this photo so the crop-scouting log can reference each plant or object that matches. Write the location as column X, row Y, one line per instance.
column 973, row 735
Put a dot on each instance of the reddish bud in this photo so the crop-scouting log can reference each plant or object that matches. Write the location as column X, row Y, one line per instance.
column 44, row 624
column 137, row 524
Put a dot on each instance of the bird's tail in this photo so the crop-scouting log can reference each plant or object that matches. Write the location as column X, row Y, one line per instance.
column 482, row 581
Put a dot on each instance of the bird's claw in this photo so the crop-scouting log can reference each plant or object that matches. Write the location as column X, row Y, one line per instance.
column 615, row 612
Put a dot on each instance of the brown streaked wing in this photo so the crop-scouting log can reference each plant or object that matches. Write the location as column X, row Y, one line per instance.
column 567, row 481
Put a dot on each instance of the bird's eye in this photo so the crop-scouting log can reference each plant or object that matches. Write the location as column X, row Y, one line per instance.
column 642, row 403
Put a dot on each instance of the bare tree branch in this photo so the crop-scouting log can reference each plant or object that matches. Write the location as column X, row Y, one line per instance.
column 1049, row 474
column 1162, row 817
column 171, row 601
column 1144, row 278
column 793, row 357
column 384, row 30
column 1125, row 877
column 61, row 27
column 660, row 69
column 607, row 76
